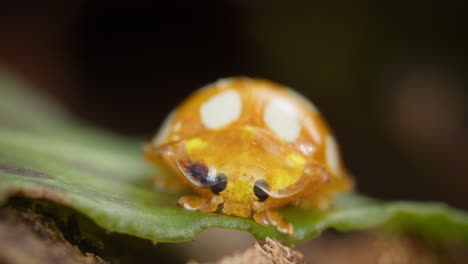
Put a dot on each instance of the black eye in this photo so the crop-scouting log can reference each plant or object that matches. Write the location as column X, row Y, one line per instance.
column 198, row 172
column 259, row 192
column 221, row 185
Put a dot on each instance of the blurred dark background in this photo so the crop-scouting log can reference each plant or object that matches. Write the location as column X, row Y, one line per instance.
column 390, row 79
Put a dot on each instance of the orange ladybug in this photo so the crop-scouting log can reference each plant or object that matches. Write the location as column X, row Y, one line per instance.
column 249, row 147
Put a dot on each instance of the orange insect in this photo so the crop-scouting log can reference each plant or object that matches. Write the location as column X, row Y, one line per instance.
column 252, row 146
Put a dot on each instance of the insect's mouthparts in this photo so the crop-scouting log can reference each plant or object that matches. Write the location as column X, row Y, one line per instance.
column 236, row 209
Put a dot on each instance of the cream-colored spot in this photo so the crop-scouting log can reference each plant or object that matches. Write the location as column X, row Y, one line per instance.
column 333, row 155
column 221, row 83
column 303, row 99
column 164, row 130
column 282, row 118
column 224, row 83
column 221, row 109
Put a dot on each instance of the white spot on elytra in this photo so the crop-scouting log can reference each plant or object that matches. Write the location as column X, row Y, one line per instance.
column 282, row 118
column 332, row 155
column 221, row 109
column 160, row 138
column 223, row 83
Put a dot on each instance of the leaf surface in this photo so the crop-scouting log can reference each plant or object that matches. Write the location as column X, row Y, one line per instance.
column 46, row 153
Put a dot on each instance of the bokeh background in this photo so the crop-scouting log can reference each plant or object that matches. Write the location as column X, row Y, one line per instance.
column 391, row 79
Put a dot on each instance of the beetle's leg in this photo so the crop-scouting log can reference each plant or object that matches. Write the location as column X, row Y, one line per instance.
column 281, row 224
column 191, row 202
column 261, row 218
column 276, row 219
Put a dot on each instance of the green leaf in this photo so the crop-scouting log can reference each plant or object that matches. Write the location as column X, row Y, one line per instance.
column 45, row 153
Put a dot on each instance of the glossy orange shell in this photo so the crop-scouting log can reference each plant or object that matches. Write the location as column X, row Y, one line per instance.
column 251, row 130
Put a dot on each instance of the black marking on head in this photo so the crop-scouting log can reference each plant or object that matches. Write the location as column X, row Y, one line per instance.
column 221, row 184
column 259, row 187
column 199, row 172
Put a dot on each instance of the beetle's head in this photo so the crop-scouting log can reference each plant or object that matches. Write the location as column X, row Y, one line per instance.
column 245, row 169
